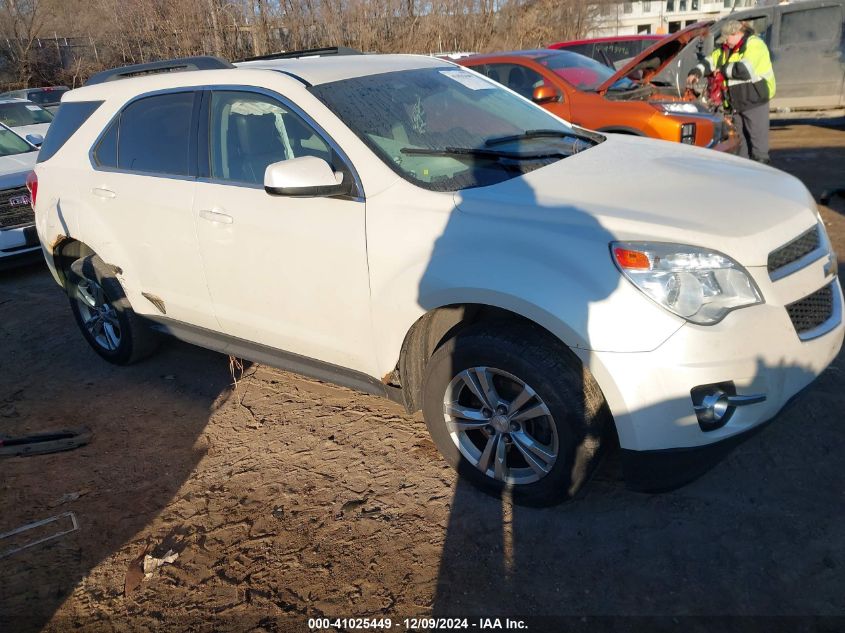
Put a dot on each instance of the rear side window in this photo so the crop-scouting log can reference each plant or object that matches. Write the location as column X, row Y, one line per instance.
column 69, row 119
column 155, row 134
column 616, row 51
column 53, row 95
column 581, row 49
column 810, row 25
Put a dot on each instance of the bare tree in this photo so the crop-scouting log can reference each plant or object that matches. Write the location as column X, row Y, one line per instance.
column 106, row 33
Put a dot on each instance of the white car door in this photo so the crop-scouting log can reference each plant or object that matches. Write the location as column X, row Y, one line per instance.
column 141, row 197
column 283, row 272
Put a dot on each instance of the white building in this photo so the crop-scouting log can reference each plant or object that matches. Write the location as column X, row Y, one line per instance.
column 661, row 16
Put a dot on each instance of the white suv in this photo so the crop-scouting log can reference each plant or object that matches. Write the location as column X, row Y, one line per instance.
column 403, row 226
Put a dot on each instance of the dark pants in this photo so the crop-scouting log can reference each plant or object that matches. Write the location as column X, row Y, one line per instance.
column 752, row 126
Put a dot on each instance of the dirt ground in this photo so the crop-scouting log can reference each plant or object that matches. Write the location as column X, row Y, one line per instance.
column 287, row 499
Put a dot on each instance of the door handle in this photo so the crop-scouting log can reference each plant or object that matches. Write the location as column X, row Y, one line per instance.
column 102, row 192
column 216, row 215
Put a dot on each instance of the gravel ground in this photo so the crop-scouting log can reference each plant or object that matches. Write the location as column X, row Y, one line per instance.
column 286, row 498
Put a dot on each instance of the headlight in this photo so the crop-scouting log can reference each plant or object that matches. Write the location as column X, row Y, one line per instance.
column 700, row 285
column 678, row 107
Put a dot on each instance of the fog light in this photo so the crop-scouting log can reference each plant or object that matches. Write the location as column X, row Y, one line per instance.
column 688, row 133
column 715, row 404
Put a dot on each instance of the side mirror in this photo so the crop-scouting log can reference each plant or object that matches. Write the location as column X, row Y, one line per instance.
column 35, row 139
column 304, row 177
column 545, row 94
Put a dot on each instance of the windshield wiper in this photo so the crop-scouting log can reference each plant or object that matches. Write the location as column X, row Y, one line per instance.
column 501, row 140
column 481, row 153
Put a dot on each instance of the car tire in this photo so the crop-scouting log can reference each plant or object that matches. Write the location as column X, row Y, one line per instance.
column 513, row 409
column 104, row 315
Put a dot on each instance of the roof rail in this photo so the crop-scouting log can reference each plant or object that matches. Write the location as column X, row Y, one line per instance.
column 308, row 52
column 204, row 62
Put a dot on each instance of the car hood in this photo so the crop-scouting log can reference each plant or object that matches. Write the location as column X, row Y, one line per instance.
column 36, row 128
column 13, row 169
column 658, row 56
column 651, row 190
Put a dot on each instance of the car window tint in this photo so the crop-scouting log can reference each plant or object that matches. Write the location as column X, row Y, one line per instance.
column 16, row 114
column 760, row 26
column 616, row 51
column 810, row 25
column 581, row 49
column 69, row 119
column 155, row 134
column 105, row 154
column 53, row 95
column 11, row 144
column 251, row 131
column 582, row 72
column 518, row 78
column 426, row 123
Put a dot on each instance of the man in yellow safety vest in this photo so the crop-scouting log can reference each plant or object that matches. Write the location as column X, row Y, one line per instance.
column 744, row 64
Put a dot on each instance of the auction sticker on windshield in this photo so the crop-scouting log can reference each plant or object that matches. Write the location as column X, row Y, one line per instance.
column 470, row 80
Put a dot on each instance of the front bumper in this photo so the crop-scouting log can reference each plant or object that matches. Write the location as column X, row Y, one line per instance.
column 18, row 242
column 757, row 348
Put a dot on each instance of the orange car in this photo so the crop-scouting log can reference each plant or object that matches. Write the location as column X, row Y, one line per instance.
column 592, row 95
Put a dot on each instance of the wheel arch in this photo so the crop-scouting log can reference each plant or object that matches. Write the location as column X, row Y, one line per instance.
column 440, row 324
column 65, row 251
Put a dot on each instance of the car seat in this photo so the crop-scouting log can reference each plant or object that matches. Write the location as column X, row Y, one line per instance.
column 520, row 82
column 254, row 142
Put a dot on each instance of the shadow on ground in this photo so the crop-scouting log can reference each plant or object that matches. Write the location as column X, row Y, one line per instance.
column 144, row 447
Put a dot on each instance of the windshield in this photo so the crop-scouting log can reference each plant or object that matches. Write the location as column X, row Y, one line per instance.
column 448, row 129
column 53, row 95
column 582, row 72
column 20, row 113
column 11, row 143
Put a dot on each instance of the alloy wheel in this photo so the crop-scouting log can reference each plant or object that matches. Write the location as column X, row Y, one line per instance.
column 99, row 318
column 500, row 425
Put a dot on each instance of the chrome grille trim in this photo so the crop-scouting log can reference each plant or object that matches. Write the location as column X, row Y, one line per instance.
column 796, row 254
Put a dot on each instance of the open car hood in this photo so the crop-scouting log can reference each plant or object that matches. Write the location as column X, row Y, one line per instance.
column 659, row 55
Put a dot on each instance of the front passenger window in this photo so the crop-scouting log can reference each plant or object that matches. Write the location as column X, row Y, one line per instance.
column 520, row 79
column 251, row 131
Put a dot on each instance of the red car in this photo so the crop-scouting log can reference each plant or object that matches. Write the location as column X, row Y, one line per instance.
column 610, row 50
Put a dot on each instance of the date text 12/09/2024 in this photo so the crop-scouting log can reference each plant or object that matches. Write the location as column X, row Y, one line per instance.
column 416, row 624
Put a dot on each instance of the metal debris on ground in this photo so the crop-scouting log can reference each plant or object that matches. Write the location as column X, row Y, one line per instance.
column 16, row 545
column 151, row 563
column 43, row 443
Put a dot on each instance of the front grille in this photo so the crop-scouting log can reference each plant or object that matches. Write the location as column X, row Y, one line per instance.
column 813, row 310
column 19, row 214
column 805, row 243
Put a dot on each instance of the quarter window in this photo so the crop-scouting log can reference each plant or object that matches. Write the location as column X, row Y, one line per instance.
column 105, row 154
column 155, row 134
column 251, row 131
